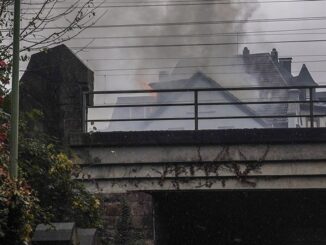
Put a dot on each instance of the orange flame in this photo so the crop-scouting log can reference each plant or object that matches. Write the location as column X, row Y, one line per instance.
column 145, row 86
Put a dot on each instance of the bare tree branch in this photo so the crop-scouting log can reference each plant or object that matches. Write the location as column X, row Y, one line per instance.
column 78, row 16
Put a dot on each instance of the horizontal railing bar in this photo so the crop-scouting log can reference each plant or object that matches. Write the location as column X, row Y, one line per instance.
column 258, row 102
column 206, row 89
column 142, row 119
column 197, row 103
column 201, row 118
column 209, row 103
column 266, row 116
column 142, row 105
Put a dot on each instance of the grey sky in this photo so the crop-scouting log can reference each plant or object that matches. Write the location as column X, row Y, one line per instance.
column 112, row 80
column 197, row 13
column 105, row 80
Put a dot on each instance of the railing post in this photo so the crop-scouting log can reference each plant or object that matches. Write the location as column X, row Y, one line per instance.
column 84, row 112
column 311, row 108
column 196, row 108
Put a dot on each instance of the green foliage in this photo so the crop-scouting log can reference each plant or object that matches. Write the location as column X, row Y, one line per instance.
column 45, row 192
column 125, row 233
column 22, row 212
column 50, row 172
column 19, row 207
column 5, row 69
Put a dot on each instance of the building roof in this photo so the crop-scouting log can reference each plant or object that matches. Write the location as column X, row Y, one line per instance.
column 251, row 70
column 303, row 79
column 259, row 70
column 124, row 112
column 132, row 100
column 206, row 82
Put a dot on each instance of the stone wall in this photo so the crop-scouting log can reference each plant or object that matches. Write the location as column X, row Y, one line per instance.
column 53, row 83
column 141, row 213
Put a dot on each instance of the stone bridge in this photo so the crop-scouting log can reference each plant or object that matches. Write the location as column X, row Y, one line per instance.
column 253, row 159
column 234, row 186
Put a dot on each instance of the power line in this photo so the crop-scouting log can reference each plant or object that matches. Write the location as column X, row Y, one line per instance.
column 186, row 4
column 192, row 66
column 240, row 21
column 240, row 33
column 139, row 2
column 191, row 44
column 200, row 57
column 191, row 73
column 182, row 58
column 181, row 67
column 194, row 35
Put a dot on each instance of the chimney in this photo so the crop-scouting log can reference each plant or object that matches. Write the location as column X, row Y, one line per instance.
column 286, row 63
column 246, row 52
column 274, row 55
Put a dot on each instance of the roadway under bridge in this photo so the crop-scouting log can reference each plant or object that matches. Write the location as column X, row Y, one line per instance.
column 263, row 186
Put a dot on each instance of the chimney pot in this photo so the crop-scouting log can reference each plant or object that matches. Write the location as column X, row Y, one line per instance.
column 274, row 55
column 246, row 52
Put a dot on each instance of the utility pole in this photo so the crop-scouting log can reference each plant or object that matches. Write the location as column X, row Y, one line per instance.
column 13, row 169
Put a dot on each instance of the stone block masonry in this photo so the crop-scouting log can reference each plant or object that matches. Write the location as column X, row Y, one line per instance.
column 140, row 205
column 53, row 83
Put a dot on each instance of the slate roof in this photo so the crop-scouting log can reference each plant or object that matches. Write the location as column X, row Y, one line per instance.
column 303, row 79
column 131, row 100
column 251, row 70
column 193, row 83
column 261, row 70
column 123, row 112
column 269, row 74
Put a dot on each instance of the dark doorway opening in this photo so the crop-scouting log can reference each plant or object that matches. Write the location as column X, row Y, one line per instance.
column 240, row 218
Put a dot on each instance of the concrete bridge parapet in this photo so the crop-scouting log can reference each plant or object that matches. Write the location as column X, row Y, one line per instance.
column 198, row 160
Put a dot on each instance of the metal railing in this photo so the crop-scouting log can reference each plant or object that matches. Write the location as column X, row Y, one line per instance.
column 196, row 103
